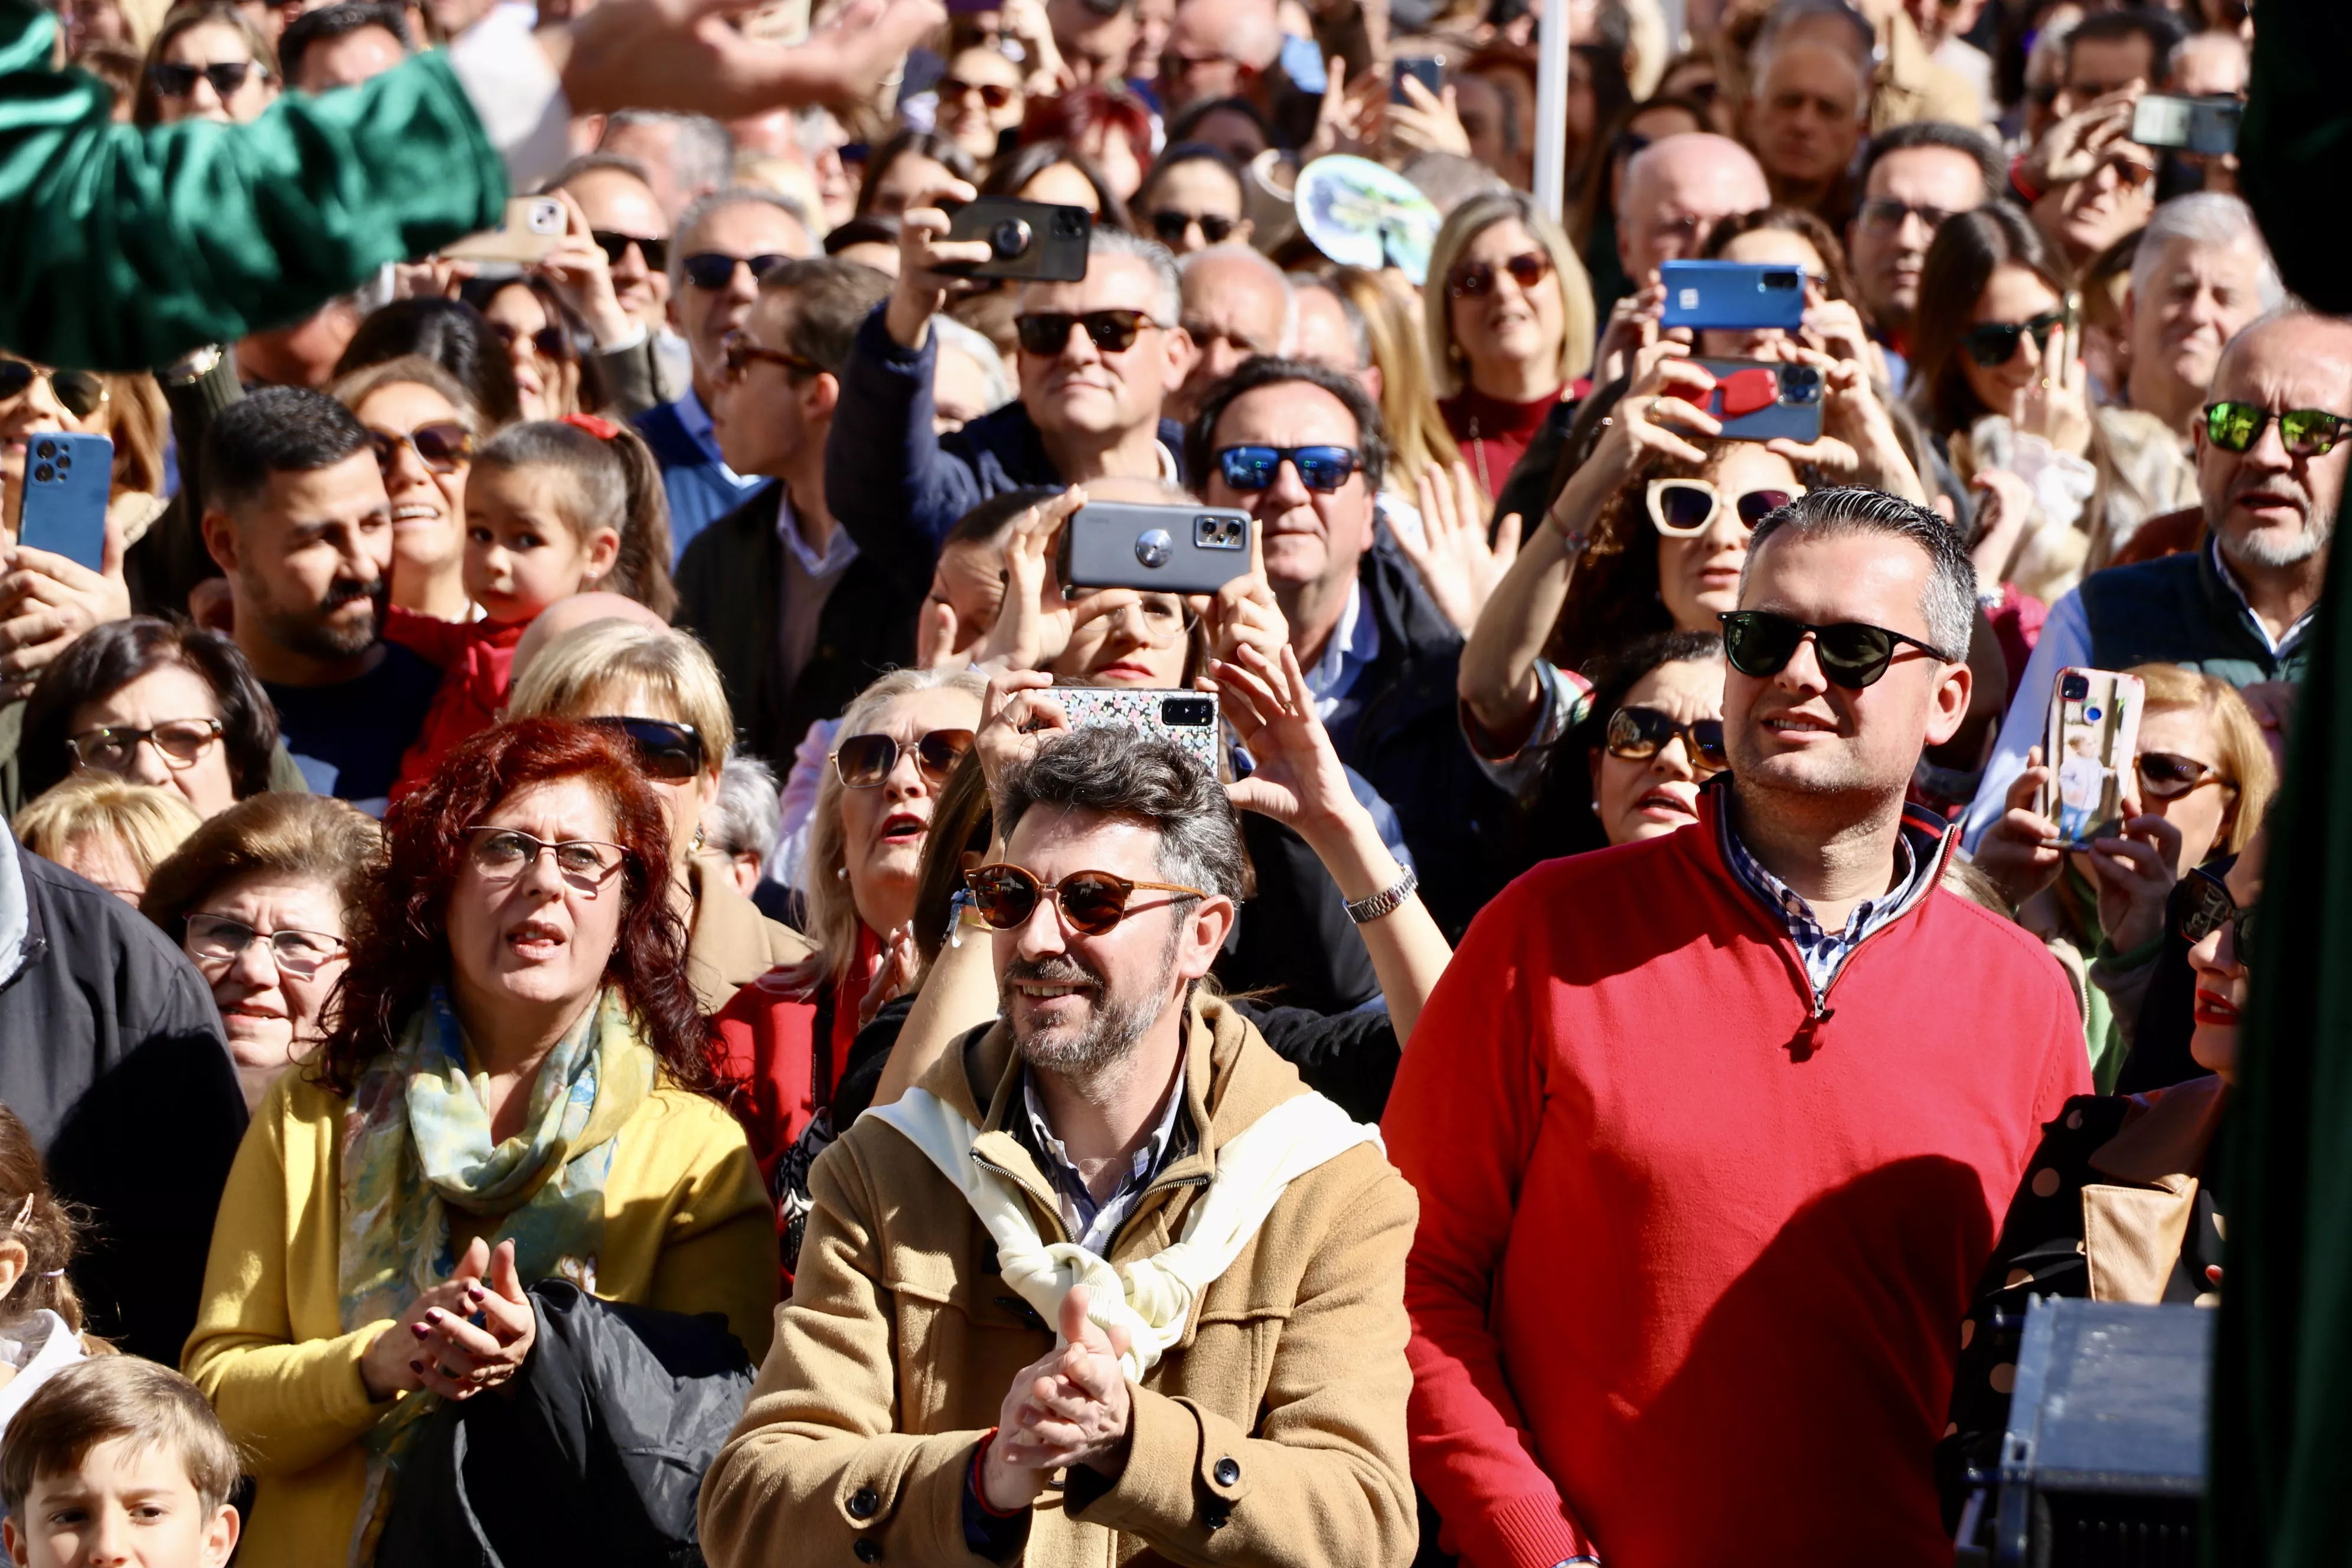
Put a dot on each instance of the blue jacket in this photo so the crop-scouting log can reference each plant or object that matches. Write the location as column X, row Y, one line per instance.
column 698, row 488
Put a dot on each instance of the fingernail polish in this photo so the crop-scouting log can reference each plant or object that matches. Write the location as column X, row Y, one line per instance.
column 434, row 1315
column 418, row 1330
column 417, row 1367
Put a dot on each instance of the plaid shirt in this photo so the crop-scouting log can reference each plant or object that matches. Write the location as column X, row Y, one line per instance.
column 1823, row 951
column 1095, row 1225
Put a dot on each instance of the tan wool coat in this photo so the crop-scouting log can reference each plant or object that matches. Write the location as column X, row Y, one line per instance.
column 1273, row 1433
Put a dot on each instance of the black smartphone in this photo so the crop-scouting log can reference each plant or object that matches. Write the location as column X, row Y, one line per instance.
column 1428, row 70
column 1765, row 400
column 1159, row 549
column 1034, row 242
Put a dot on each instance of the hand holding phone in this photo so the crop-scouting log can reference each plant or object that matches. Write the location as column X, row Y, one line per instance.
column 67, row 479
column 1159, row 549
column 533, row 225
column 1031, row 242
column 2090, row 739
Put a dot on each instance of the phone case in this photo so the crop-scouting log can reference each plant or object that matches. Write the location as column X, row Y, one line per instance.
column 1764, row 400
column 1431, row 70
column 2091, row 738
column 1735, row 294
column 1035, row 242
column 533, row 227
column 1159, row 549
column 2206, row 126
column 1187, row 718
column 67, row 479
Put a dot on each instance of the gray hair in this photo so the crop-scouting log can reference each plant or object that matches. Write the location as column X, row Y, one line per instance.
column 748, row 812
column 1268, row 273
column 1112, row 769
column 2206, row 217
column 702, row 154
column 1359, row 330
column 1948, row 604
column 974, row 343
column 1862, row 41
column 1449, row 179
column 1169, row 304
column 702, row 207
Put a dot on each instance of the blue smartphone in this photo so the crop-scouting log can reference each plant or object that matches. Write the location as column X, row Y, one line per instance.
column 1740, row 295
column 67, row 482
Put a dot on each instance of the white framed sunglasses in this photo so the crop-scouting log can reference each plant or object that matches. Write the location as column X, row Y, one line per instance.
column 1684, row 508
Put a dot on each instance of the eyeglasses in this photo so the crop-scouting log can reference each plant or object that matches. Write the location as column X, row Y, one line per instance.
column 501, row 854
column 994, row 95
column 1093, row 902
column 1113, row 332
column 1995, row 342
column 1473, row 279
column 216, row 938
column 445, row 446
column 1637, row 734
column 2131, row 174
column 670, row 751
column 181, row 742
column 2234, row 427
column 1170, row 226
column 1162, row 621
column 616, row 247
column 2211, row 907
column 227, row 77
column 1852, row 655
column 79, row 393
column 710, row 270
column 1684, row 508
column 1884, row 215
column 552, row 342
column 865, row 760
column 743, row 354
column 2164, row 776
column 1320, row 469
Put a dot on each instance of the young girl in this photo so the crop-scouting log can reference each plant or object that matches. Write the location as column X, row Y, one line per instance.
column 554, row 508
column 40, row 1317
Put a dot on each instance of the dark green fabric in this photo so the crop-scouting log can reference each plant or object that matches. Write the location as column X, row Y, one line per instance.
column 2177, row 610
column 123, row 248
column 2297, row 143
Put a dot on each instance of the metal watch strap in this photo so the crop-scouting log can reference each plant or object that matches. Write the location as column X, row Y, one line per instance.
column 1386, row 901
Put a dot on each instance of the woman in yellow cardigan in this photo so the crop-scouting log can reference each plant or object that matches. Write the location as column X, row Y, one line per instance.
column 508, row 1095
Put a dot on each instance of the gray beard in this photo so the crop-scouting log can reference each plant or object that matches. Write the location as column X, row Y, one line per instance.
column 1119, row 1020
column 2258, row 550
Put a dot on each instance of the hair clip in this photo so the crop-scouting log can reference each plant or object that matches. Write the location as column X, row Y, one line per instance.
column 53, row 1274
column 602, row 429
column 23, row 1213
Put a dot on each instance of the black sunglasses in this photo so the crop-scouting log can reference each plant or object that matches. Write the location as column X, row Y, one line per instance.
column 552, row 342
column 1637, row 734
column 1852, row 655
column 1094, row 902
column 2211, row 907
column 2234, row 427
column 1995, row 342
column 710, row 270
column 865, row 760
column 1048, row 331
column 444, row 447
column 227, row 77
column 670, row 751
column 1320, row 469
column 1170, row 226
column 616, row 245
column 1884, row 215
column 79, row 393
column 740, row 353
column 994, row 95
column 2163, row 775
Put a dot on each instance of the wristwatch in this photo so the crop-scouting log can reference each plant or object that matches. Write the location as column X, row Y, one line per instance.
column 191, row 367
column 1386, row 901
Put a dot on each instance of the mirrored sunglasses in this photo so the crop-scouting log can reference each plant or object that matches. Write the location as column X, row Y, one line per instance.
column 2236, row 427
column 1638, row 734
column 1320, row 469
column 2209, row 906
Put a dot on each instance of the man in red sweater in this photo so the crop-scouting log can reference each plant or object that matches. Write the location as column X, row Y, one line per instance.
column 1712, row 1131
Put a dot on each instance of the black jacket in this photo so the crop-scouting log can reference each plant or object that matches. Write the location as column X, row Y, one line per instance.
column 113, row 1058
column 730, row 586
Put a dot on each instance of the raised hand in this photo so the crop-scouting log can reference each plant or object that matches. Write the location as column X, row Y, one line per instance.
column 1427, row 121
column 1034, row 623
column 1299, row 781
column 582, row 275
column 48, row 600
column 683, row 55
column 2073, row 145
column 1244, row 613
column 2020, row 851
column 1016, row 715
column 2135, row 874
column 1456, row 563
column 2056, row 406
column 921, row 289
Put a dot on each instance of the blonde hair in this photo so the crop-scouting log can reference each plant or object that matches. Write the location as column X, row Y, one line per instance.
column 1474, row 217
column 2244, row 756
column 1419, row 441
column 149, row 823
column 833, row 919
column 588, row 670
column 408, row 370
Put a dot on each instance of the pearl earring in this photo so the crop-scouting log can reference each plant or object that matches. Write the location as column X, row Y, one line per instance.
column 842, row 875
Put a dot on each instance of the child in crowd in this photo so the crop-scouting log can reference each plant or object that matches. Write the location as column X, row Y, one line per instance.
column 106, row 829
column 118, row 1460
column 40, row 1317
column 554, row 508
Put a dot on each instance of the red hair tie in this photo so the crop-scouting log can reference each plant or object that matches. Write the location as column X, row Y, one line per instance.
column 602, row 429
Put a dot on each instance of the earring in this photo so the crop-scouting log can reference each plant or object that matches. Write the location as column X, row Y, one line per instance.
column 842, row 874
column 698, row 839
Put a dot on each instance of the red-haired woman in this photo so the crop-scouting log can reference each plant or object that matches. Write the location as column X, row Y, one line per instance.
column 510, row 1095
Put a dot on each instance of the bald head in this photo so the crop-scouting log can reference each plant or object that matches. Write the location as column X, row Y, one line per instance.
column 2270, row 509
column 1218, row 49
column 1676, row 190
column 568, row 614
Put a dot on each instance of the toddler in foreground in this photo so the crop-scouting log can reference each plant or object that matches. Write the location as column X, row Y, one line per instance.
column 118, row 1460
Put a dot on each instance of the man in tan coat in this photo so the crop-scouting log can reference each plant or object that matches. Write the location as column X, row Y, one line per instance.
column 1120, row 1157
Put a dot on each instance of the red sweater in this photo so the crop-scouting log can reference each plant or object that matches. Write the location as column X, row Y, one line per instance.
column 1677, row 1297
column 475, row 660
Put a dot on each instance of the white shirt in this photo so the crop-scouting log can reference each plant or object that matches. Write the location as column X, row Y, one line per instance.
column 1354, row 643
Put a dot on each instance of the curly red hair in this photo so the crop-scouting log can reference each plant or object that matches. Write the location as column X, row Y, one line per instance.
column 399, row 942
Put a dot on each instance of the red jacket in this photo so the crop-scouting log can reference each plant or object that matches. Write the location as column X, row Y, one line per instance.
column 1682, row 1295
column 476, row 658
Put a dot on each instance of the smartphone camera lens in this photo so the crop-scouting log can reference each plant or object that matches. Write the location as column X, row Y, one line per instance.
column 1070, row 223
column 2074, row 688
column 43, row 473
column 1009, row 238
column 1187, row 712
column 64, row 463
column 1783, row 281
column 45, row 449
column 1800, row 383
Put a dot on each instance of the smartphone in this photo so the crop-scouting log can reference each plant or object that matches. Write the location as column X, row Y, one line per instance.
column 67, row 482
column 533, row 227
column 2088, row 742
column 1740, row 295
column 1034, row 242
column 1765, row 400
column 1187, row 718
column 1159, row 549
column 2208, row 126
column 1429, row 69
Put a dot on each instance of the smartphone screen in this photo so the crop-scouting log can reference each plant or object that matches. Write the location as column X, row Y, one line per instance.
column 2088, row 743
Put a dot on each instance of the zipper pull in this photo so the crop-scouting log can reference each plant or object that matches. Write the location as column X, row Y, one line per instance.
column 1807, row 1038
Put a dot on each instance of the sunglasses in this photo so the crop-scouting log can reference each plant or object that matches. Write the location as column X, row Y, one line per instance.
column 1884, row 215
column 181, row 742
column 2131, row 174
column 669, row 752
column 1320, row 469
column 865, row 760
column 2232, row 426
column 1637, row 734
column 708, row 269
column 79, row 393
column 1683, row 509
column 178, row 81
column 216, row 938
column 616, row 247
column 501, row 854
column 2210, row 907
column 2165, row 776
column 1473, row 278
column 1852, row 655
column 1170, row 226
column 1093, row 902
column 1113, row 332
column 444, row 447
column 741, row 353
column 1995, row 342
column 554, row 342
column 994, row 95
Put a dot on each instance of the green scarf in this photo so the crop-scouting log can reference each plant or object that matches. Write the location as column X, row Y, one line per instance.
column 417, row 1143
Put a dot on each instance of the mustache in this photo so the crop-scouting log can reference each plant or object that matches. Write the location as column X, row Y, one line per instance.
column 1060, row 970
column 344, row 590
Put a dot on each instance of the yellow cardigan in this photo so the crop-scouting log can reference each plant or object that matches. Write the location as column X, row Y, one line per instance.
column 688, row 1228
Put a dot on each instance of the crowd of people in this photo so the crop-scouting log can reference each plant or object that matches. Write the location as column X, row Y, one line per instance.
column 597, row 946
